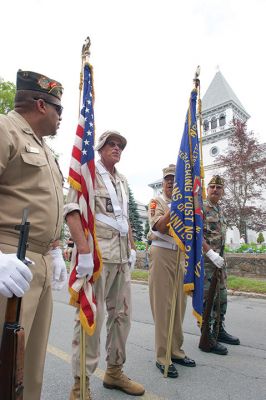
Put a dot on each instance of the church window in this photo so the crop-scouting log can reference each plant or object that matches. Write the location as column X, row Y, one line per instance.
column 206, row 125
column 222, row 120
column 214, row 151
column 213, row 123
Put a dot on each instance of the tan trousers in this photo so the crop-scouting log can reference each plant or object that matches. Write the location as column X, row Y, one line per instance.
column 112, row 288
column 35, row 319
column 163, row 263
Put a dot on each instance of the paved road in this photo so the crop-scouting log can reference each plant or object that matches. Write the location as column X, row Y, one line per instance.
column 239, row 375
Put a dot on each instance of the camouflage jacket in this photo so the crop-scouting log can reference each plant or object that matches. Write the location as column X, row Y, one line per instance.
column 214, row 229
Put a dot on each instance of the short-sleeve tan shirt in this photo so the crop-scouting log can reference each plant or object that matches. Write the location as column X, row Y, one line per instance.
column 114, row 248
column 29, row 178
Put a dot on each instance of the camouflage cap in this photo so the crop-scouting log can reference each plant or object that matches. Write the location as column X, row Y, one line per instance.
column 170, row 170
column 28, row 80
column 216, row 180
column 104, row 136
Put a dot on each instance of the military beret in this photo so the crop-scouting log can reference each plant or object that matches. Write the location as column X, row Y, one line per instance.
column 216, row 180
column 170, row 170
column 28, row 80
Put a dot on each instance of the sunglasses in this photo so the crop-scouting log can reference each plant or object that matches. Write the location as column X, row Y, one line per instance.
column 58, row 108
column 113, row 144
column 219, row 187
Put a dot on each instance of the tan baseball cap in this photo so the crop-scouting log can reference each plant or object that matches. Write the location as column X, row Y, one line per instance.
column 107, row 134
column 170, row 170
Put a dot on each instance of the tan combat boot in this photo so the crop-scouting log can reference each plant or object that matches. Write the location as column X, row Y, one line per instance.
column 114, row 378
column 75, row 392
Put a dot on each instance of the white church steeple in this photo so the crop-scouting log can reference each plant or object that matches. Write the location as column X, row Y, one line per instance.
column 220, row 106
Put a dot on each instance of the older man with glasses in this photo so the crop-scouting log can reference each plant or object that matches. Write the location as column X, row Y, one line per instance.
column 213, row 246
column 113, row 286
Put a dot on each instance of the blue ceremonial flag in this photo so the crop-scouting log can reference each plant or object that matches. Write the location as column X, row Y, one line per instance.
column 186, row 218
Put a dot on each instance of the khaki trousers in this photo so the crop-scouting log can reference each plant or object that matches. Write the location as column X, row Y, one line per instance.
column 35, row 319
column 112, row 288
column 163, row 263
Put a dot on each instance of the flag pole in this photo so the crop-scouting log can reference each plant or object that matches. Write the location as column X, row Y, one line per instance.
column 177, row 271
column 85, row 54
column 202, row 175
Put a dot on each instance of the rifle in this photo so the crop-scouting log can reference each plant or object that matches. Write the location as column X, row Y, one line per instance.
column 13, row 341
column 205, row 342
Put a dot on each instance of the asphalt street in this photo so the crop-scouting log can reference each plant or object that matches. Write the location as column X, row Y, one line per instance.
column 239, row 375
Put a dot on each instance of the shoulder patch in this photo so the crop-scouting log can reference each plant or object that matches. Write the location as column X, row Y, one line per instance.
column 153, row 204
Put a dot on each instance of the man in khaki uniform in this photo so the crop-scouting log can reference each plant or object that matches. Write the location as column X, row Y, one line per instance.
column 163, row 264
column 113, row 286
column 30, row 178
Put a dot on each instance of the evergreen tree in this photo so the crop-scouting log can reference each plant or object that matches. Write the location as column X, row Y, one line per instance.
column 134, row 218
column 260, row 238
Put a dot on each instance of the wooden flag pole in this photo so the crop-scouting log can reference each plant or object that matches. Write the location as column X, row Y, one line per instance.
column 85, row 53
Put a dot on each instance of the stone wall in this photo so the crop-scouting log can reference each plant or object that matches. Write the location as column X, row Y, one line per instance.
column 250, row 265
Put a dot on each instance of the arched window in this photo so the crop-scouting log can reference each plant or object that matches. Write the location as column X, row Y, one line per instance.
column 222, row 120
column 206, row 125
column 213, row 123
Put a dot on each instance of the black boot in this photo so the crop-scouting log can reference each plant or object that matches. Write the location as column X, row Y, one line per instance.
column 211, row 345
column 225, row 337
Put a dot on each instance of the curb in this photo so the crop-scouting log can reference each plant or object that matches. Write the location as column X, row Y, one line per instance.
column 229, row 291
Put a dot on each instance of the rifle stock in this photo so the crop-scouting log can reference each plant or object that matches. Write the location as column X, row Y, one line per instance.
column 205, row 343
column 13, row 341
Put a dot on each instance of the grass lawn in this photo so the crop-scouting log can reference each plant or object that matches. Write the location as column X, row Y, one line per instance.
column 233, row 282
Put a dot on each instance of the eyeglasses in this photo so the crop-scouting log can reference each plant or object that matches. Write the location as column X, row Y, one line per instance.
column 219, row 187
column 112, row 144
column 58, row 108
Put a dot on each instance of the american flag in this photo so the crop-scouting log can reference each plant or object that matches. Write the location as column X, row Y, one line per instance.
column 82, row 179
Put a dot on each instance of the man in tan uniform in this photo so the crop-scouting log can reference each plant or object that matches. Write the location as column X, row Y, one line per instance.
column 30, row 178
column 113, row 286
column 163, row 264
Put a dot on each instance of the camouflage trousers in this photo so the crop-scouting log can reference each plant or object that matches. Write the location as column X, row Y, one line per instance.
column 208, row 272
column 113, row 289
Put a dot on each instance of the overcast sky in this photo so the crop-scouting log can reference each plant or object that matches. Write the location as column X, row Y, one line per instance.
column 144, row 54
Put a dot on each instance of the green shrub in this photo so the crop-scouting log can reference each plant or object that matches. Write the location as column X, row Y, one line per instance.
column 140, row 245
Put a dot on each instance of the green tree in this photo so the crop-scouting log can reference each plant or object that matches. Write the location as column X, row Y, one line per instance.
column 260, row 238
column 244, row 164
column 7, row 96
column 134, row 218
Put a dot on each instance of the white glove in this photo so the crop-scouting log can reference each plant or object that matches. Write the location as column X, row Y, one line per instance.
column 85, row 266
column 132, row 259
column 59, row 269
column 14, row 276
column 215, row 258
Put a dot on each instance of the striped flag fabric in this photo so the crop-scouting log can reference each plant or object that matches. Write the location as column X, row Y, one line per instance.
column 186, row 216
column 82, row 179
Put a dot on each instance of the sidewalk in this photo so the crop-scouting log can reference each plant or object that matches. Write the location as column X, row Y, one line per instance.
column 229, row 291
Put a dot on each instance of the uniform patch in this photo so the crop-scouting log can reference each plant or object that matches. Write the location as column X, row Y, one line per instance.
column 153, row 206
column 109, row 206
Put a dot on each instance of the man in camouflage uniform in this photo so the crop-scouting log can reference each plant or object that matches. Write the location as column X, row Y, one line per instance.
column 113, row 286
column 213, row 246
column 163, row 265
